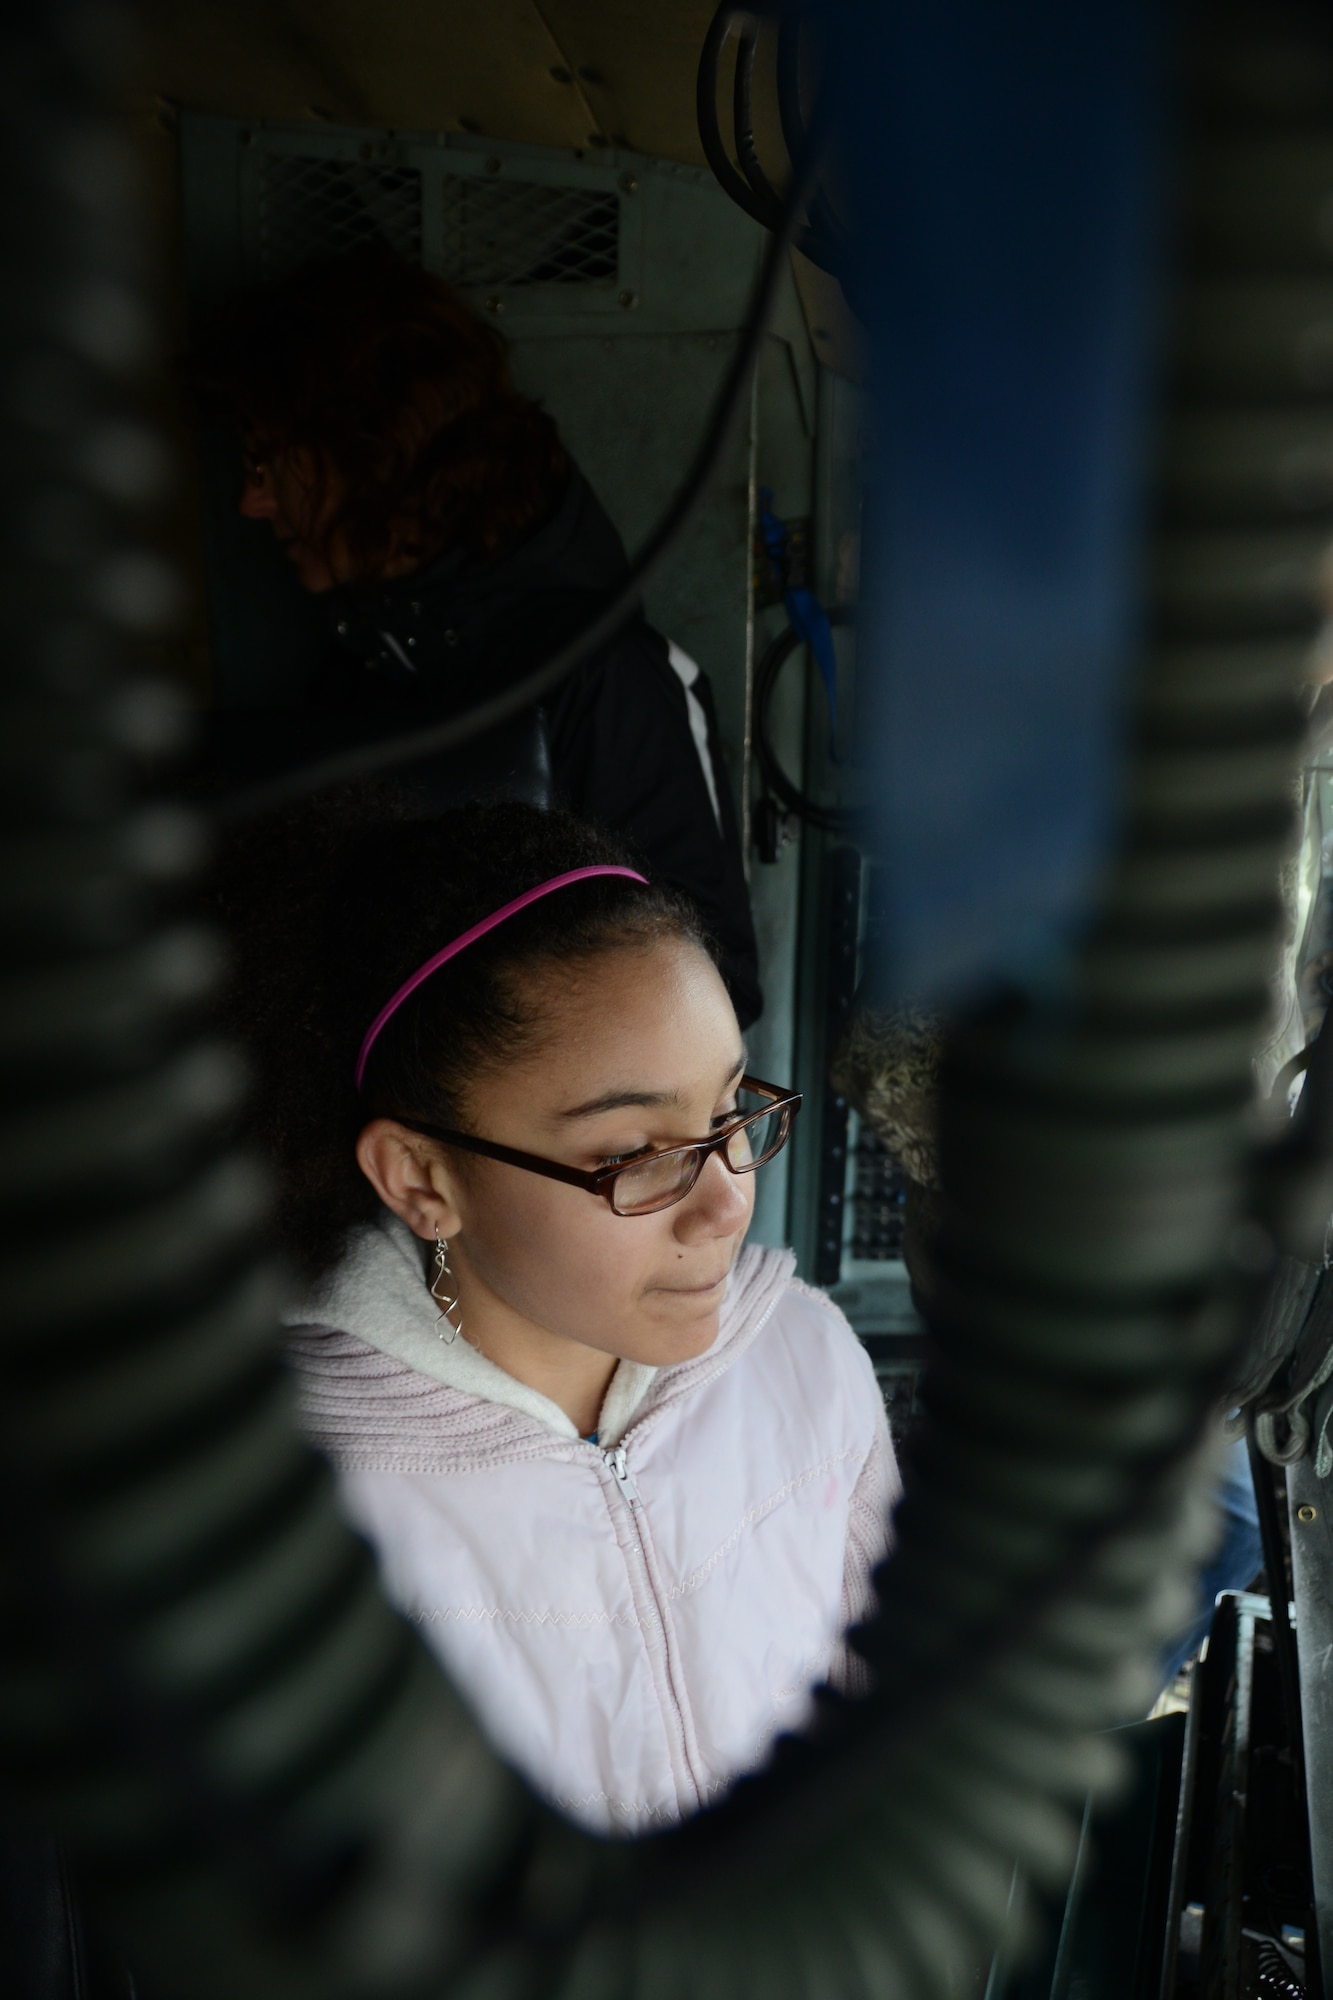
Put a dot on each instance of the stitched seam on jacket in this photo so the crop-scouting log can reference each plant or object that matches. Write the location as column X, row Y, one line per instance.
column 425, row 1459
column 756, row 1514
column 813, row 1292
column 635, row 1546
column 480, row 1614
column 804, row 1685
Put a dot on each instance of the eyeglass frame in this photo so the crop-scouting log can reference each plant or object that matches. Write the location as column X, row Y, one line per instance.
column 599, row 1180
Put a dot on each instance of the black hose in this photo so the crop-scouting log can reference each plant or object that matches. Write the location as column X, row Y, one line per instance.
column 1284, row 1636
column 747, row 192
column 830, row 819
column 729, row 180
column 824, row 241
column 269, row 1785
column 199, row 1684
column 747, row 47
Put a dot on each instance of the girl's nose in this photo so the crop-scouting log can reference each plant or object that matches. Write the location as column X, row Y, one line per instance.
column 718, row 1204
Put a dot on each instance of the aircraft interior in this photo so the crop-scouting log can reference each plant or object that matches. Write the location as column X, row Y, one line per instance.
column 948, row 395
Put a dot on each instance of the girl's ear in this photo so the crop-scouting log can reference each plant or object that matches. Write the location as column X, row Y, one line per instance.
column 409, row 1178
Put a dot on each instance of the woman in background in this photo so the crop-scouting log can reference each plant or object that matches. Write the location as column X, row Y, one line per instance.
column 436, row 519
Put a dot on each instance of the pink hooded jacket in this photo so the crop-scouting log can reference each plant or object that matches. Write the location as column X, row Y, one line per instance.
column 633, row 1620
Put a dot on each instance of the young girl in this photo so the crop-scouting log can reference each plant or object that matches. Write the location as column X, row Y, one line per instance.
column 629, row 1477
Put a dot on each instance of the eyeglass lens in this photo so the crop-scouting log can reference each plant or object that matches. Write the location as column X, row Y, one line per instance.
column 666, row 1177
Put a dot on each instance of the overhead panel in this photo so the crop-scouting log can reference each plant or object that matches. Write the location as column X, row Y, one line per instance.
column 563, row 73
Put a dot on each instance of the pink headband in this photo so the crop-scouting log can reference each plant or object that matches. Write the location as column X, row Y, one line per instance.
column 423, row 972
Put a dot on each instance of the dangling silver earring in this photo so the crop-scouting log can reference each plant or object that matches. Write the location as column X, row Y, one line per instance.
column 444, row 1291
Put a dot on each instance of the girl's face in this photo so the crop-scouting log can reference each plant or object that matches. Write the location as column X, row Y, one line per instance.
column 643, row 1049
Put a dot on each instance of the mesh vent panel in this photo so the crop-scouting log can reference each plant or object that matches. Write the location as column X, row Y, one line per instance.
column 325, row 208
column 516, row 233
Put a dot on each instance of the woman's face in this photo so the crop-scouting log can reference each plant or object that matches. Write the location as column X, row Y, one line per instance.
column 301, row 496
column 643, row 1050
column 287, row 488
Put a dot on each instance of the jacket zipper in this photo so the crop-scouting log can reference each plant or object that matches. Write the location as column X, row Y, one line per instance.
column 616, row 1463
column 624, row 1478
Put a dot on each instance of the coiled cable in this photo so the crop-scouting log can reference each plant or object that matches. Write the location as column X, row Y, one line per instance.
column 820, row 239
column 832, row 819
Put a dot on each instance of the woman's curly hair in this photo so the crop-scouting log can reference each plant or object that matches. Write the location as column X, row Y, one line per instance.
column 331, row 910
column 400, row 393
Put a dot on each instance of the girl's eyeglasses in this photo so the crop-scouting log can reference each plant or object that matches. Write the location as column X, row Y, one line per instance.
column 654, row 1180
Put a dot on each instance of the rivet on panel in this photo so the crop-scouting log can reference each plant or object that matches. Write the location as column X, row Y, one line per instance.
column 1305, row 1515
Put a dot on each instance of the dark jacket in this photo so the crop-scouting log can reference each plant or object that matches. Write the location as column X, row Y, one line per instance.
column 629, row 740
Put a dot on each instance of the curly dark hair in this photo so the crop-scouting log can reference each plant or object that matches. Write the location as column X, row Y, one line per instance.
column 400, row 392
column 334, row 907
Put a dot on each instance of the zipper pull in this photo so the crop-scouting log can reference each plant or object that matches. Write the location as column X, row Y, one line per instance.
column 624, row 1478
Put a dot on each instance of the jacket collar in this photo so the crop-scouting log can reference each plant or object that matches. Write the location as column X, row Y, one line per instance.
column 438, row 606
column 379, row 1295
